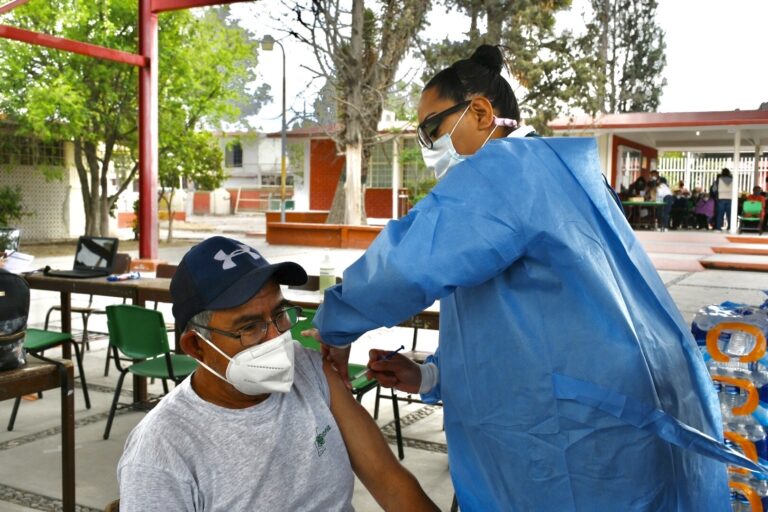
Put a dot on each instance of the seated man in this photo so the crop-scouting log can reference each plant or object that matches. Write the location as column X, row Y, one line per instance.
column 263, row 424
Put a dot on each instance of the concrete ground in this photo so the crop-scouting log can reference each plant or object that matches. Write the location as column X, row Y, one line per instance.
column 30, row 455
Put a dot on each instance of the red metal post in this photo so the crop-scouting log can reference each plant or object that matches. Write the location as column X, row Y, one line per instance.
column 173, row 5
column 148, row 132
column 68, row 45
column 11, row 5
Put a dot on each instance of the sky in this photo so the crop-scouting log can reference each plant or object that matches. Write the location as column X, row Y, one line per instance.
column 716, row 54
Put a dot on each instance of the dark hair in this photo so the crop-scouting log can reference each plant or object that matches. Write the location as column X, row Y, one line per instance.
column 663, row 180
column 725, row 172
column 478, row 75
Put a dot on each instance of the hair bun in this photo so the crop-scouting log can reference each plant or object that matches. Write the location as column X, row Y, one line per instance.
column 490, row 57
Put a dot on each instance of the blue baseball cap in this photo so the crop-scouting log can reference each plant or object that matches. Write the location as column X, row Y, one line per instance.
column 222, row 273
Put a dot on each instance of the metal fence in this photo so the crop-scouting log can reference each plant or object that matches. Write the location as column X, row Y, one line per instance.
column 702, row 172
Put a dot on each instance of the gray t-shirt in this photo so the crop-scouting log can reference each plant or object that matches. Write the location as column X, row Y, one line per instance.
column 285, row 453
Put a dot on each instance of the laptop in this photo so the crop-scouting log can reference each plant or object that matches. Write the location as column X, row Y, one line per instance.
column 94, row 257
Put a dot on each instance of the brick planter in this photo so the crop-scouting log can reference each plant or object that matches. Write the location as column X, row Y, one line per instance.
column 321, row 235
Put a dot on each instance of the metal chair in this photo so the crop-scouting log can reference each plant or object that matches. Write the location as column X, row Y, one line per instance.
column 163, row 270
column 752, row 212
column 36, row 342
column 140, row 335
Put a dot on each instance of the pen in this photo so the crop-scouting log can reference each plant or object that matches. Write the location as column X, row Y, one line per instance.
column 386, row 357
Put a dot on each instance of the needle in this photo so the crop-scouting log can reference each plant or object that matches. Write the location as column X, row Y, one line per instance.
column 385, row 358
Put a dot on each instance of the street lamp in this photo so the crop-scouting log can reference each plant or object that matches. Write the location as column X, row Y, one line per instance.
column 268, row 43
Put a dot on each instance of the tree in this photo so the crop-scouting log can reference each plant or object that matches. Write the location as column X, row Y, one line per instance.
column 204, row 66
column 539, row 60
column 357, row 53
column 624, row 48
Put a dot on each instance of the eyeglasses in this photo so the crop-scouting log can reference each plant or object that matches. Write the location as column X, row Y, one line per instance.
column 427, row 130
column 255, row 332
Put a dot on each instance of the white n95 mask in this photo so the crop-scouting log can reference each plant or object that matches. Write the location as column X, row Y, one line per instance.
column 260, row 369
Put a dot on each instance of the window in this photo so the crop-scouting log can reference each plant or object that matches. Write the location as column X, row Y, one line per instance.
column 273, row 180
column 380, row 165
column 17, row 150
column 414, row 170
column 233, row 155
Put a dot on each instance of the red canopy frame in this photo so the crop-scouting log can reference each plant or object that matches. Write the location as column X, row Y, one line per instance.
column 147, row 62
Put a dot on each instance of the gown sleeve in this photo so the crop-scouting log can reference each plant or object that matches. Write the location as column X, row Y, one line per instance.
column 462, row 234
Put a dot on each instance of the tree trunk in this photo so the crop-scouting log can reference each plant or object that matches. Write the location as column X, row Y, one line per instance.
column 336, row 213
column 82, row 174
column 169, row 203
column 603, row 56
column 494, row 17
column 353, row 128
column 353, row 214
column 92, row 211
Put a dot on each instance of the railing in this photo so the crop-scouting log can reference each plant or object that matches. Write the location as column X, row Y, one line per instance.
column 703, row 172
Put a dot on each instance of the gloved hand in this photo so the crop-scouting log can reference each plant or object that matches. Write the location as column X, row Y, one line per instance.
column 338, row 356
column 398, row 372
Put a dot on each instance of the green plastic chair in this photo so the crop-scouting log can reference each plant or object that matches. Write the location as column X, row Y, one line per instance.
column 139, row 334
column 360, row 385
column 751, row 216
column 36, row 341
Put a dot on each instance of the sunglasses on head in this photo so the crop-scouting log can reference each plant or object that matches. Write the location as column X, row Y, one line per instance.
column 427, row 129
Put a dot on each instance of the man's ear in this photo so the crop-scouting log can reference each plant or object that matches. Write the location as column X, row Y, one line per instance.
column 190, row 344
column 481, row 109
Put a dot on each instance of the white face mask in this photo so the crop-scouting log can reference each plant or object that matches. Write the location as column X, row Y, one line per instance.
column 443, row 155
column 260, row 369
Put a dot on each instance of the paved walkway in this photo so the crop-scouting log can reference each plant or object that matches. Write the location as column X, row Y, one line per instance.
column 29, row 456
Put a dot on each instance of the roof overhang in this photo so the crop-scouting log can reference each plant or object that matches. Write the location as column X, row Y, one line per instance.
column 676, row 131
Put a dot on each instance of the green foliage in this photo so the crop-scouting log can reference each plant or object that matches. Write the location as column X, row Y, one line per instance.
column 539, row 60
column 195, row 156
column 623, row 49
column 11, row 206
column 418, row 183
column 206, row 67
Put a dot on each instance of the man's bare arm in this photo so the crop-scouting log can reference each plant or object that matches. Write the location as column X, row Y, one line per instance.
column 391, row 485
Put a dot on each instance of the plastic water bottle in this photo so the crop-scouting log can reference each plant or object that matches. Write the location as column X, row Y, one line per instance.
column 756, row 433
column 327, row 277
column 730, row 400
column 759, row 376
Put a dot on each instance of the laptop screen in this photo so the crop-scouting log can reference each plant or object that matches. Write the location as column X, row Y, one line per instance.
column 95, row 252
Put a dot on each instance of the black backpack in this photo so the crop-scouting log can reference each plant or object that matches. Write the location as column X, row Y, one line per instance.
column 14, row 308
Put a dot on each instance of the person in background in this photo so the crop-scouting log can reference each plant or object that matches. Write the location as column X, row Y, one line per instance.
column 637, row 188
column 721, row 192
column 680, row 190
column 704, row 211
column 664, row 195
column 263, row 423
column 682, row 206
column 569, row 379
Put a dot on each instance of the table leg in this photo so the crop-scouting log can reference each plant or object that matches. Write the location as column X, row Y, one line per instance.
column 66, row 322
column 68, row 438
column 140, row 393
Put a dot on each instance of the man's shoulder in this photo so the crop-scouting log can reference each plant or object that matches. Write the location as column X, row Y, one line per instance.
column 160, row 428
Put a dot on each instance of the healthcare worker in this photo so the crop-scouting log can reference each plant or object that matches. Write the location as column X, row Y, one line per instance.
column 568, row 377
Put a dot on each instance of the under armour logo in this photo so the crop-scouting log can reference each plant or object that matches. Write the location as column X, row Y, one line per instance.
column 227, row 258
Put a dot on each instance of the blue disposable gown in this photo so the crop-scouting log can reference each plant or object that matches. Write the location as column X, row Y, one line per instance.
column 568, row 377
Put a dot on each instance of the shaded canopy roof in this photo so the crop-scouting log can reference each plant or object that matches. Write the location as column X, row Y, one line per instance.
column 687, row 131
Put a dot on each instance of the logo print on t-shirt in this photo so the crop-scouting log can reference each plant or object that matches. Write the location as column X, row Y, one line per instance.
column 320, row 439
